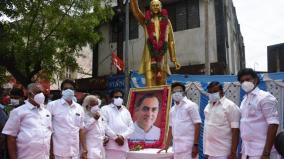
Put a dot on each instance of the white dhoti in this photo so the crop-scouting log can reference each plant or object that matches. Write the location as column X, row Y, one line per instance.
column 184, row 155
column 59, row 157
column 273, row 155
column 115, row 154
column 218, row 157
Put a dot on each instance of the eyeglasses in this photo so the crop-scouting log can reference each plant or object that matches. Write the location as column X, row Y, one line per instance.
column 117, row 97
column 68, row 88
column 37, row 92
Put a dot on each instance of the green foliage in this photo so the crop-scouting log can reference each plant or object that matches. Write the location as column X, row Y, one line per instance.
column 3, row 77
column 47, row 35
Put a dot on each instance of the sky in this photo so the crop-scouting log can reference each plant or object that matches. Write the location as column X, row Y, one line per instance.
column 262, row 24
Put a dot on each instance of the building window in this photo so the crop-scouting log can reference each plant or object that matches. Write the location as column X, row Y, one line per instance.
column 113, row 31
column 184, row 14
column 133, row 28
column 68, row 73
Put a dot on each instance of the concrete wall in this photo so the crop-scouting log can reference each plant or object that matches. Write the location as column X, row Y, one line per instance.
column 85, row 63
column 189, row 45
column 234, row 39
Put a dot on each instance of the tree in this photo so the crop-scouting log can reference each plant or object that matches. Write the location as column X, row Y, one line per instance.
column 47, row 35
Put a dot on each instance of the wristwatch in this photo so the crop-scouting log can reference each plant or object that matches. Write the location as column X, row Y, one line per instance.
column 266, row 154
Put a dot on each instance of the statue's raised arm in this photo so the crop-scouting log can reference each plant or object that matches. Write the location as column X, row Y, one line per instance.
column 137, row 12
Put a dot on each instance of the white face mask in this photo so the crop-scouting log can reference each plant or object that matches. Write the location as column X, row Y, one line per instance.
column 99, row 102
column 39, row 98
column 15, row 102
column 214, row 97
column 68, row 94
column 95, row 109
column 247, row 86
column 117, row 101
column 177, row 96
column 74, row 99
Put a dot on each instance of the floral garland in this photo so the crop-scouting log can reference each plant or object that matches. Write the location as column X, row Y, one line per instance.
column 157, row 48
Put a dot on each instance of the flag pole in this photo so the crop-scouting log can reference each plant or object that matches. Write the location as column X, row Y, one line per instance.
column 126, row 71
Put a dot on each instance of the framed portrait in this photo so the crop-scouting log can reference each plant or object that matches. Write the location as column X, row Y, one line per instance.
column 149, row 108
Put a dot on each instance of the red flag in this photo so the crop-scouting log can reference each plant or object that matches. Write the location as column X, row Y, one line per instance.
column 119, row 64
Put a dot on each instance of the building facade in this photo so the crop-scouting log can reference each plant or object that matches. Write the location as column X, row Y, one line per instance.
column 226, row 47
column 275, row 58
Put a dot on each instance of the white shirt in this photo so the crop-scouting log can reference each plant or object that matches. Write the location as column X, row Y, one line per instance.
column 258, row 110
column 33, row 129
column 220, row 118
column 67, row 120
column 182, row 120
column 151, row 136
column 119, row 122
column 95, row 133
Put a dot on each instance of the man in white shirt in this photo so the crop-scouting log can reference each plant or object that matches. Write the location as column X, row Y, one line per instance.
column 146, row 112
column 95, row 128
column 221, row 126
column 119, row 126
column 68, row 124
column 259, row 118
column 184, row 125
column 29, row 127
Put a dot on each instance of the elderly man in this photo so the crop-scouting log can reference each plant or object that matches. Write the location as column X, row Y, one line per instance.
column 68, row 124
column 184, row 125
column 146, row 112
column 119, row 126
column 95, row 128
column 29, row 128
column 221, row 126
column 259, row 118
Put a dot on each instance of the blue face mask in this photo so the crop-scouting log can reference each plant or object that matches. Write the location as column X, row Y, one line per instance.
column 2, row 106
column 68, row 95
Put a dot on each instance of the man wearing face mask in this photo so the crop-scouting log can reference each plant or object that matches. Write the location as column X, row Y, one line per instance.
column 16, row 97
column 119, row 126
column 184, row 125
column 29, row 127
column 68, row 124
column 95, row 128
column 221, row 126
column 259, row 118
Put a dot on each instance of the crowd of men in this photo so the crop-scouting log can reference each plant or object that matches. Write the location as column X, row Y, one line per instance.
column 64, row 129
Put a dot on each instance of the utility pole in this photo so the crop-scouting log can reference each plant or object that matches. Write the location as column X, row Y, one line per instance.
column 206, row 36
column 120, row 26
column 126, row 69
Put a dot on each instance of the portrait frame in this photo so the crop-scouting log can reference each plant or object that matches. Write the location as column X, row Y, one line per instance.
column 162, row 92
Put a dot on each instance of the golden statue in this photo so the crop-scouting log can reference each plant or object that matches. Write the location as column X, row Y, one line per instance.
column 159, row 41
